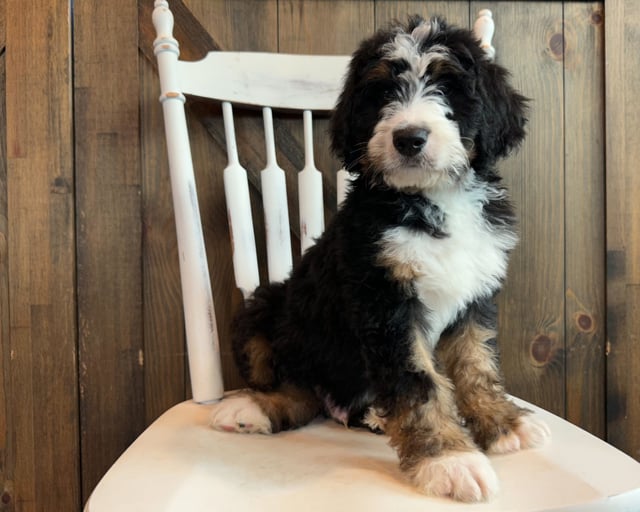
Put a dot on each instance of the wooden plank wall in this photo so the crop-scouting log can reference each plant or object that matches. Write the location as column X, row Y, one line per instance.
column 39, row 345
column 91, row 336
column 109, row 231
column 623, row 227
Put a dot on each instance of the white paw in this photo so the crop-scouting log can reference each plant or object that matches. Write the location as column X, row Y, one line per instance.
column 238, row 413
column 533, row 433
column 530, row 433
column 463, row 476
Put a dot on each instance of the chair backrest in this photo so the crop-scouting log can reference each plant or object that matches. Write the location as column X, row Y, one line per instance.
column 295, row 83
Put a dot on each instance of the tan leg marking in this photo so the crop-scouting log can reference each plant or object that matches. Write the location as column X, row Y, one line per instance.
column 259, row 359
column 435, row 451
column 492, row 418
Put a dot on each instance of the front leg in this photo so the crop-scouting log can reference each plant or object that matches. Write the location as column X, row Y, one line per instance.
column 435, row 450
column 468, row 355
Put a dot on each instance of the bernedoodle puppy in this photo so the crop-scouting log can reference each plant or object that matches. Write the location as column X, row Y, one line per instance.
column 389, row 320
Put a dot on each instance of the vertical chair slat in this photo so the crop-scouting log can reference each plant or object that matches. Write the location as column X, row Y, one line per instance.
column 236, row 190
column 200, row 324
column 276, row 213
column 310, row 198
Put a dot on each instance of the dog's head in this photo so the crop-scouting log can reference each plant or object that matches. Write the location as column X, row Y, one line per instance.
column 422, row 104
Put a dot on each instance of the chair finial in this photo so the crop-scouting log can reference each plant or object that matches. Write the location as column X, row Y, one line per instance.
column 163, row 22
column 484, row 28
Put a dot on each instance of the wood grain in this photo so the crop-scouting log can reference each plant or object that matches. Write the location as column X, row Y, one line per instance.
column 584, row 215
column 41, row 379
column 249, row 25
column 7, row 451
column 531, row 332
column 622, row 35
column 455, row 12
column 108, row 181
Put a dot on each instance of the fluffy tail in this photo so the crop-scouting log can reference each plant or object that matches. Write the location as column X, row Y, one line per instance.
column 253, row 332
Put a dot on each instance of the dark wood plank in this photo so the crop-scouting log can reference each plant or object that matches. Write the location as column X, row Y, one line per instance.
column 7, row 451
column 298, row 25
column 3, row 38
column 585, row 214
column 531, row 328
column 40, row 437
column 622, row 36
column 454, row 11
column 108, row 181
column 249, row 25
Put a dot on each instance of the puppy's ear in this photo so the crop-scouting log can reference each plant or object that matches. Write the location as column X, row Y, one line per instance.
column 357, row 111
column 504, row 115
column 339, row 126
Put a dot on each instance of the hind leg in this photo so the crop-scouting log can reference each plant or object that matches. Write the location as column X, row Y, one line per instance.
column 250, row 411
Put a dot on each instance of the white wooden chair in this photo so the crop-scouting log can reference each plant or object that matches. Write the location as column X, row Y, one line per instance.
column 180, row 464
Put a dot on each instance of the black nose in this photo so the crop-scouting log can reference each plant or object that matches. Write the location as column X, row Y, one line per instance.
column 409, row 141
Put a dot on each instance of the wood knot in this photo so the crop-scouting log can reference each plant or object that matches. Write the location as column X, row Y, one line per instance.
column 596, row 18
column 542, row 349
column 6, row 498
column 585, row 322
column 557, row 45
column 60, row 185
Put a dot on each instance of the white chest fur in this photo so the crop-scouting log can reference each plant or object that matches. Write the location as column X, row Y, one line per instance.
column 448, row 273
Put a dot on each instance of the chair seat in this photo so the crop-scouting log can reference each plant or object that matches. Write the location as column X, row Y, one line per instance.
column 181, row 464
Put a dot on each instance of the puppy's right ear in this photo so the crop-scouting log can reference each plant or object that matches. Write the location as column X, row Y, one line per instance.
column 339, row 128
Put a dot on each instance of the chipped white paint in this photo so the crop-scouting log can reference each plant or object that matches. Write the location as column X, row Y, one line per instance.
column 236, row 190
column 310, row 191
column 278, row 80
column 276, row 213
column 202, row 335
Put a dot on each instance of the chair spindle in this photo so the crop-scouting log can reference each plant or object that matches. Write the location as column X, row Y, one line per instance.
column 276, row 213
column 310, row 197
column 200, row 322
column 236, row 190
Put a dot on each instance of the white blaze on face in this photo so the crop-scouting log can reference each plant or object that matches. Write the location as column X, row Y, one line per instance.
column 421, row 105
column 441, row 159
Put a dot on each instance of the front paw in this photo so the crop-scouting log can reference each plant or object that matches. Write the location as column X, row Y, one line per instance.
column 528, row 433
column 239, row 413
column 463, row 476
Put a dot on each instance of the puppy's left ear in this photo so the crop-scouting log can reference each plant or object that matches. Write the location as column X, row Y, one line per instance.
column 504, row 115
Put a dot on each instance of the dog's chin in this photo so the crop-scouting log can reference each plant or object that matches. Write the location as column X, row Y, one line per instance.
column 420, row 178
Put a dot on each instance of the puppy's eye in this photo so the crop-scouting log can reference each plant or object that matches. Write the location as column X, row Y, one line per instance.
column 449, row 116
column 398, row 67
column 380, row 90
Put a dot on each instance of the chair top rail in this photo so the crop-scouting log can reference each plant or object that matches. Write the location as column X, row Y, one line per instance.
column 277, row 80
